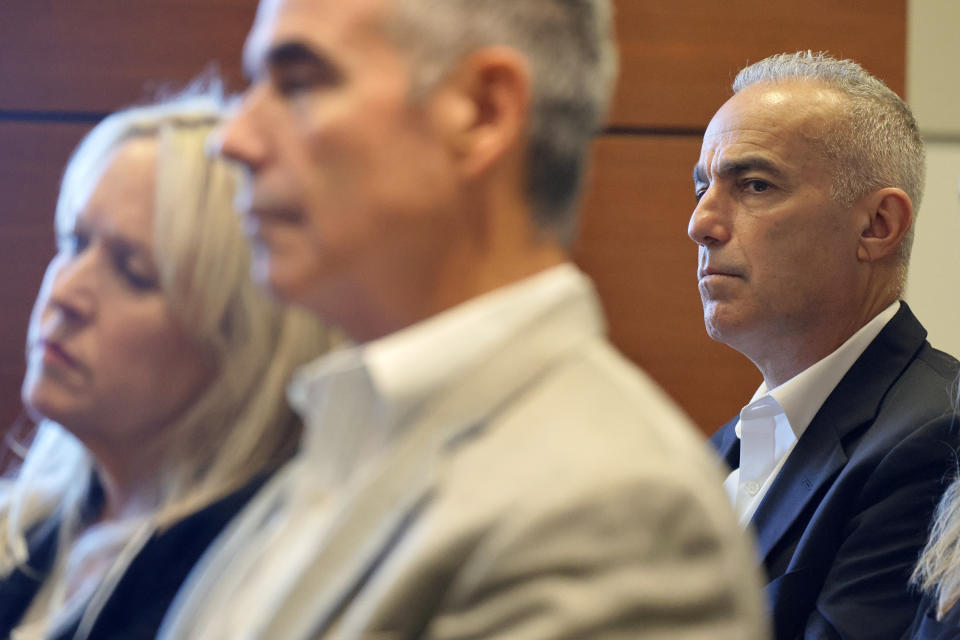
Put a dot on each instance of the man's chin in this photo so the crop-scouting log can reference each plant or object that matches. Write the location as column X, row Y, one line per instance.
column 720, row 320
column 282, row 286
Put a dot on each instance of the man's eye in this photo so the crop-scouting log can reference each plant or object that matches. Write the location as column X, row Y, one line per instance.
column 293, row 85
column 757, row 186
column 297, row 77
column 699, row 193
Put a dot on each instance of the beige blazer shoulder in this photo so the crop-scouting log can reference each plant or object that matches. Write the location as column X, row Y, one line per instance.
column 554, row 493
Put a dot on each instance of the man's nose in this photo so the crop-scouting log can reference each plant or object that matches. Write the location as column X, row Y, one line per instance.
column 239, row 137
column 709, row 222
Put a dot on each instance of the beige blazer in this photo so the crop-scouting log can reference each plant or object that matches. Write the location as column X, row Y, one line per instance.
column 553, row 492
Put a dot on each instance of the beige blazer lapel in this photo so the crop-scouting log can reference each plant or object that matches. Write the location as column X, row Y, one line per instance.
column 364, row 533
column 376, row 516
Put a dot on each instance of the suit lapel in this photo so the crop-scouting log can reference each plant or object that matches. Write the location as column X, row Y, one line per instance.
column 376, row 516
column 820, row 453
column 364, row 533
column 805, row 475
column 727, row 444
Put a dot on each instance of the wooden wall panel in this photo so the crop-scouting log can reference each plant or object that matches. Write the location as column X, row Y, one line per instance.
column 98, row 55
column 25, row 253
column 679, row 57
column 634, row 243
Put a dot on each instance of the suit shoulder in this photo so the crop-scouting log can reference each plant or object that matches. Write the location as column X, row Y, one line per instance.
column 940, row 363
column 923, row 397
column 593, row 419
column 597, row 394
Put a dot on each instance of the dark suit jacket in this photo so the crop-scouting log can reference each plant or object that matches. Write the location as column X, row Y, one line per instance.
column 844, row 521
column 138, row 603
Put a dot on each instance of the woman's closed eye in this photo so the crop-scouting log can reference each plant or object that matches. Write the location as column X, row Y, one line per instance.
column 134, row 269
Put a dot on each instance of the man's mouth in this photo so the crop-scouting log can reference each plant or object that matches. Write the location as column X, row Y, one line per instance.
column 706, row 272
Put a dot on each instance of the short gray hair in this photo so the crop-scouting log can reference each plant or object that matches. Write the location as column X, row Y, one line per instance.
column 875, row 144
column 570, row 47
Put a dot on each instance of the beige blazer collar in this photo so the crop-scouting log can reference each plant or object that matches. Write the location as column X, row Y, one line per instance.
column 381, row 510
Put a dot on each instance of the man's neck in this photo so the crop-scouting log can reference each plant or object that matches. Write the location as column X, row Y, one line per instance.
column 784, row 358
column 463, row 275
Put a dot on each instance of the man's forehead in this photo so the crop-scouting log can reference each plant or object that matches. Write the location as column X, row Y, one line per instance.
column 792, row 104
column 773, row 130
column 326, row 10
column 306, row 21
column 786, row 118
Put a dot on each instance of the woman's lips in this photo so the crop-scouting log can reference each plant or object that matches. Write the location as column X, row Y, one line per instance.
column 55, row 354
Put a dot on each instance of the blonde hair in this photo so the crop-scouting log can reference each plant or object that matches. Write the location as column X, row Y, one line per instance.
column 938, row 570
column 241, row 424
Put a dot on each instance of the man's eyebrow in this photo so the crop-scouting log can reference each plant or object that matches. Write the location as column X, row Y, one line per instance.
column 288, row 54
column 292, row 53
column 739, row 166
column 302, row 58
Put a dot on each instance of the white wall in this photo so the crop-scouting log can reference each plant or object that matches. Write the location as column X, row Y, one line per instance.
column 933, row 90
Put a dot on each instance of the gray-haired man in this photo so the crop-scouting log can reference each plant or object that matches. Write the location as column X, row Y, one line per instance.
column 807, row 186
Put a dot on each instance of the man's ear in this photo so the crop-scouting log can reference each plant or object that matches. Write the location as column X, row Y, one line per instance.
column 483, row 107
column 886, row 219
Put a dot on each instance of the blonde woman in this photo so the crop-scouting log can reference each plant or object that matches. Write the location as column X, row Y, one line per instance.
column 156, row 371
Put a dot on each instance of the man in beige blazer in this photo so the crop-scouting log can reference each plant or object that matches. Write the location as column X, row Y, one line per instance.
column 482, row 464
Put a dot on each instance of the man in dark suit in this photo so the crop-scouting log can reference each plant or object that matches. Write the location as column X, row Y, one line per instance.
column 807, row 186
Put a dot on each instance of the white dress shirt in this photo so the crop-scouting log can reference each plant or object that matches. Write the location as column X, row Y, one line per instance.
column 354, row 403
column 774, row 420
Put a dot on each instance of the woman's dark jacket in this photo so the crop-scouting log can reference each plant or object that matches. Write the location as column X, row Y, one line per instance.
column 136, row 607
